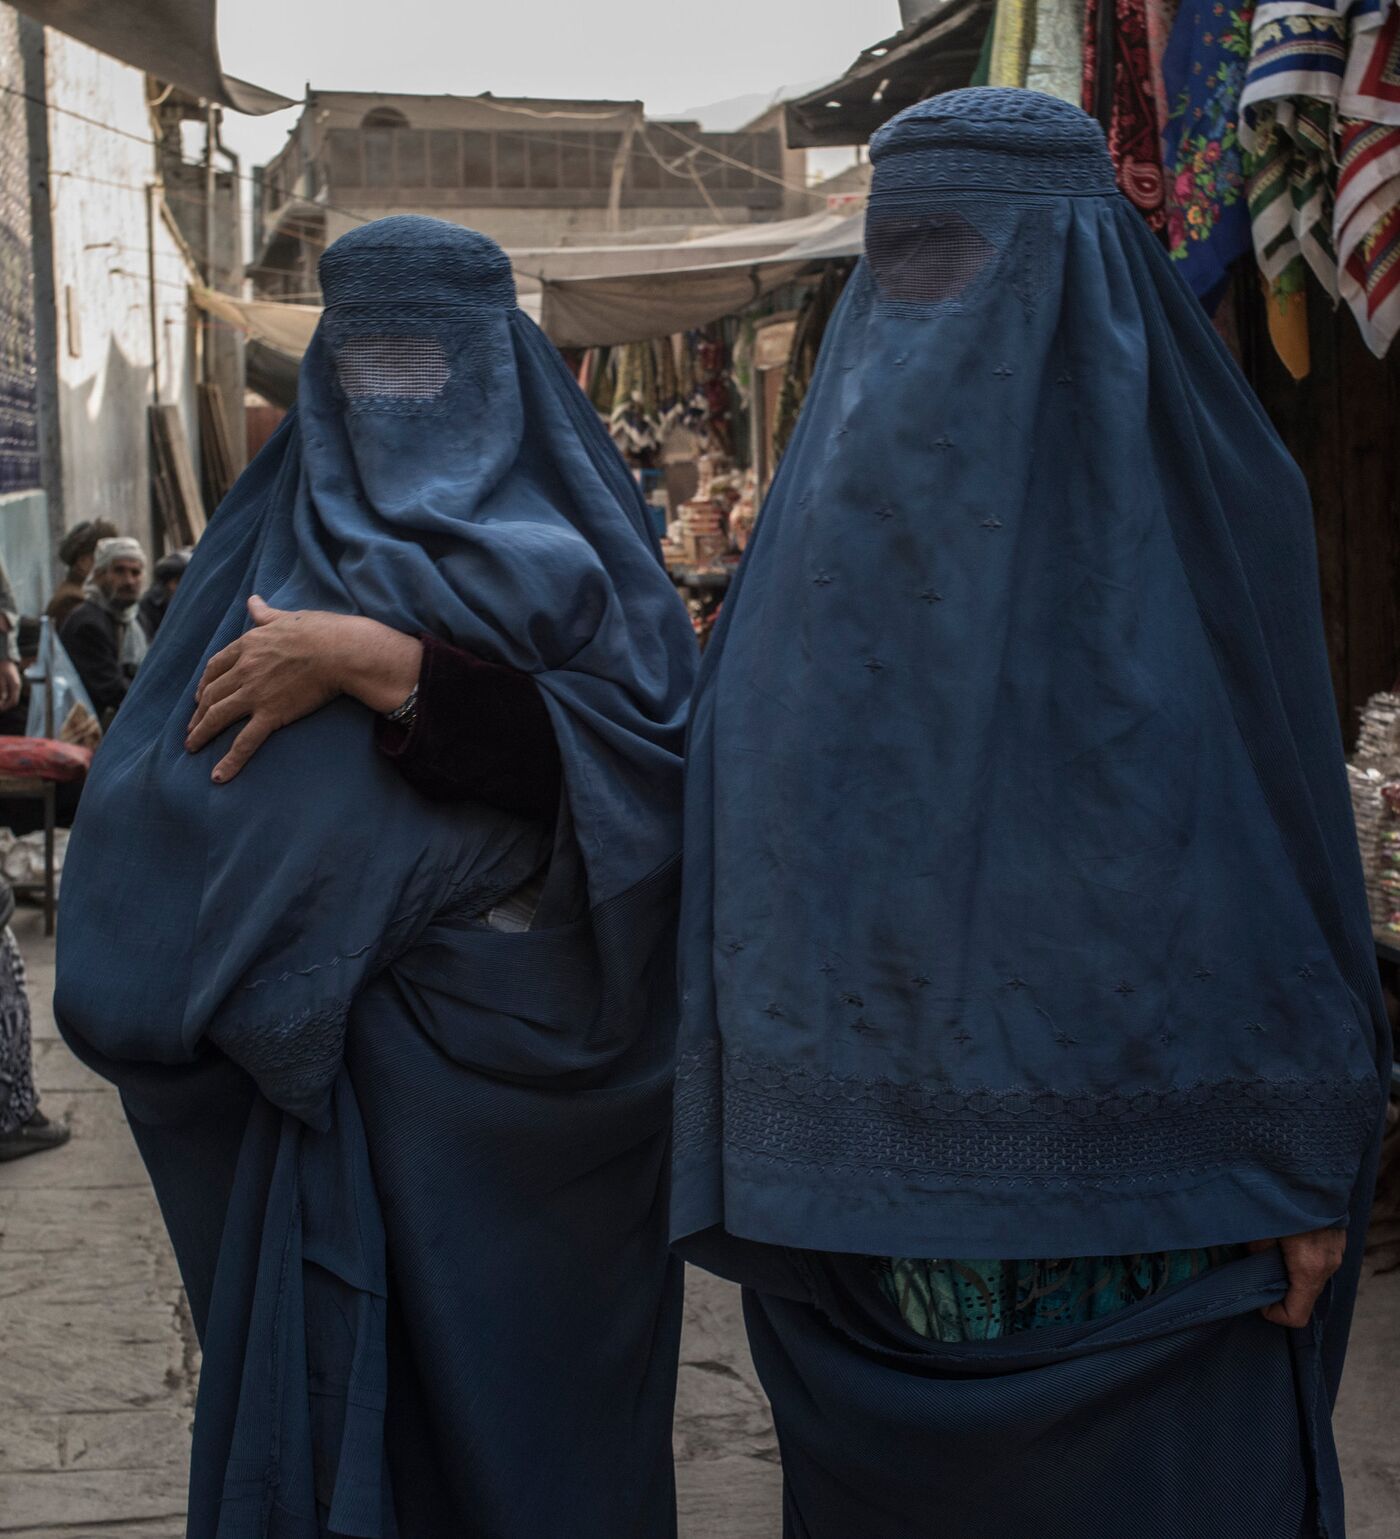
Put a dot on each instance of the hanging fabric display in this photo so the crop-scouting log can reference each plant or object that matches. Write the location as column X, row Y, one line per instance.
column 1160, row 16
column 802, row 360
column 1057, row 55
column 1367, row 215
column 1297, row 59
column 1203, row 73
column 1126, row 95
column 1013, row 27
column 1287, row 109
column 634, row 421
column 711, row 357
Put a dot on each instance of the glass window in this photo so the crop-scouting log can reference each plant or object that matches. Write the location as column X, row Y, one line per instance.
column 445, row 158
column 379, row 156
column 604, row 151
column 411, row 153
column 510, row 160
column 476, row 157
column 644, row 171
column 542, row 153
column 740, row 146
column 575, row 160
column 345, row 165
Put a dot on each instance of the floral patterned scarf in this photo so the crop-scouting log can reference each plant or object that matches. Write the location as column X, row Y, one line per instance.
column 1203, row 71
column 1132, row 132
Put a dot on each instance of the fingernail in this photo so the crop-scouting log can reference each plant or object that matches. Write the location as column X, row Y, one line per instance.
column 218, row 777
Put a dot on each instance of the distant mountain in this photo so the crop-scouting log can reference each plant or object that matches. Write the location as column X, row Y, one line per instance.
column 730, row 115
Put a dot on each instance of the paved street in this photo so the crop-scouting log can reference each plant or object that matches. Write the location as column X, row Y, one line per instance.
column 98, row 1360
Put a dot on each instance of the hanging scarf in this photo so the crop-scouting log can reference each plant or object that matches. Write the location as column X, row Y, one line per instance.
column 1368, row 190
column 1297, row 61
column 1127, row 100
column 1057, row 59
column 1013, row 28
column 1160, row 16
column 1203, row 71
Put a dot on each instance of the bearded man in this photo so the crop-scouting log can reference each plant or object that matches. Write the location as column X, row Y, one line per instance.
column 103, row 635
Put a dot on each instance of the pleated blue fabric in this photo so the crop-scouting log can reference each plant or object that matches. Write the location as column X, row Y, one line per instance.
column 1023, row 915
column 413, row 1168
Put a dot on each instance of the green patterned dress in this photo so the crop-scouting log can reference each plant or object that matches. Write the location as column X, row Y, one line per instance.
column 952, row 1301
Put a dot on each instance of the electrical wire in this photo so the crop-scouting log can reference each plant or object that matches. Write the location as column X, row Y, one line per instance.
column 743, row 165
column 307, row 237
column 704, row 149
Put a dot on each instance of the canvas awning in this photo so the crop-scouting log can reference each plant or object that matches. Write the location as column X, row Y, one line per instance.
column 175, row 40
column 734, row 242
column 287, row 328
column 593, row 308
column 602, row 309
column 937, row 53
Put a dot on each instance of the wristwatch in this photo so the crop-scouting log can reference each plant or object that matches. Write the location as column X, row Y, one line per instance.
column 407, row 713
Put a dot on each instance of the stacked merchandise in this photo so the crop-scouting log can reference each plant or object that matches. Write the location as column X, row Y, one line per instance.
column 1387, row 881
column 703, row 532
column 1374, row 773
column 700, row 535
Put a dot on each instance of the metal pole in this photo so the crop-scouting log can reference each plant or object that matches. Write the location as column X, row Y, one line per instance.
column 33, row 52
column 211, row 130
column 152, row 194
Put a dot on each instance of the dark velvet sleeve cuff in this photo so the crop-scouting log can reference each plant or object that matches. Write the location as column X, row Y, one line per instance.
column 481, row 732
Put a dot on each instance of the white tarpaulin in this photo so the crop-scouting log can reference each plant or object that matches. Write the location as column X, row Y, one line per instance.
column 589, row 311
column 734, row 242
column 592, row 308
column 175, row 40
column 288, row 328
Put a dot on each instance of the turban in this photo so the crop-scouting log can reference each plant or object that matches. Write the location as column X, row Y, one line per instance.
column 119, row 548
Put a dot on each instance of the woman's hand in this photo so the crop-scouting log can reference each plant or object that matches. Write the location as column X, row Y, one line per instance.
column 10, row 685
column 1310, row 1260
column 290, row 664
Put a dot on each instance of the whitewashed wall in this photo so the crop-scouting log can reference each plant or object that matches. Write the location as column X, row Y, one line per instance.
column 100, row 224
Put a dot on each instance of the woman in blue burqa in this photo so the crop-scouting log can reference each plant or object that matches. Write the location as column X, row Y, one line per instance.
column 390, row 1002
column 1032, row 1045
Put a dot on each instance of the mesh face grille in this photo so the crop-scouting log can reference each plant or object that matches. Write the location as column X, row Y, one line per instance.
column 394, row 368
column 926, row 257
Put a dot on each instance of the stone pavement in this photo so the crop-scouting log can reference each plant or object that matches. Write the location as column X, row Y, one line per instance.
column 98, row 1358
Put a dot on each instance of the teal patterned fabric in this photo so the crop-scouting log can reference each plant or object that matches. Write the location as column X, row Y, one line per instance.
column 953, row 1301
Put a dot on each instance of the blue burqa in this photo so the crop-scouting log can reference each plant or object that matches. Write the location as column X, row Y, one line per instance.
column 413, row 1167
column 1022, row 913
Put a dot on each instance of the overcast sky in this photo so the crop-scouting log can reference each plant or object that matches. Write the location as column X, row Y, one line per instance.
column 673, row 57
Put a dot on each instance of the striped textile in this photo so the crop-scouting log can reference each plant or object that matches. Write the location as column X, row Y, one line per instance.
column 1298, row 58
column 1371, row 85
column 1288, row 184
column 1368, row 229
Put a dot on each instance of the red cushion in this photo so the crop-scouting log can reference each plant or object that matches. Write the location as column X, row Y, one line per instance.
column 43, row 758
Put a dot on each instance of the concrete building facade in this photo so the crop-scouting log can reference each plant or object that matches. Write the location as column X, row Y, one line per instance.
column 96, row 322
column 529, row 173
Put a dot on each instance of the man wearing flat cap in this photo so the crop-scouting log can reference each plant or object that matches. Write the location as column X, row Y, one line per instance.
column 76, row 553
column 103, row 635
